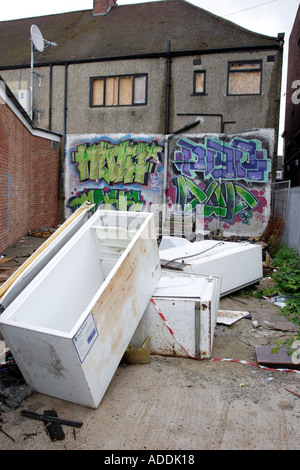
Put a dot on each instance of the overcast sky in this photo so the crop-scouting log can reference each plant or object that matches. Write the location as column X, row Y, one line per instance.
column 268, row 17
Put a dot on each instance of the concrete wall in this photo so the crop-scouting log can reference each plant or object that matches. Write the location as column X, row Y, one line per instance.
column 28, row 175
column 237, row 112
column 223, row 180
column 243, row 202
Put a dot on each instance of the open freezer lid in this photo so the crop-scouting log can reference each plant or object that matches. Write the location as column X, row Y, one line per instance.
column 38, row 260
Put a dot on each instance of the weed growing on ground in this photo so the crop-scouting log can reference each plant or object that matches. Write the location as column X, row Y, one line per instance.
column 286, row 277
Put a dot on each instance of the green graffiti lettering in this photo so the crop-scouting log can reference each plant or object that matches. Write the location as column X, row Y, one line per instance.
column 218, row 206
column 126, row 162
column 109, row 199
column 224, row 201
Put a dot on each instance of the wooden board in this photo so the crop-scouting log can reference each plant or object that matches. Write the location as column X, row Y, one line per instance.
column 280, row 360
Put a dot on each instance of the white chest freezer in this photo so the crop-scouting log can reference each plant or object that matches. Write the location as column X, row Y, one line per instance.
column 70, row 326
column 237, row 264
column 189, row 305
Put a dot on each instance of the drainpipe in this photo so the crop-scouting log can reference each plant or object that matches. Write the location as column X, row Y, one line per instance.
column 64, row 131
column 50, row 98
column 164, row 206
column 168, row 88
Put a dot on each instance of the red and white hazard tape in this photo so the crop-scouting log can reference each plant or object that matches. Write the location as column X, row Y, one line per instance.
column 215, row 359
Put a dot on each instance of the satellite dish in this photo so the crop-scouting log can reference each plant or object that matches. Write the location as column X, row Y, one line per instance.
column 37, row 38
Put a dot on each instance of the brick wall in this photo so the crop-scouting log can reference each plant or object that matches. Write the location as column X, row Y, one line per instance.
column 28, row 179
column 102, row 6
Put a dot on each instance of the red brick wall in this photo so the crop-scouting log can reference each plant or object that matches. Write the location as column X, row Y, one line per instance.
column 28, row 180
column 102, row 6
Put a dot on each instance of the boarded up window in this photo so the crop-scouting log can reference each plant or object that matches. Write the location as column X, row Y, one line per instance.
column 119, row 91
column 125, row 90
column 111, row 91
column 98, row 89
column 245, row 78
column 199, row 83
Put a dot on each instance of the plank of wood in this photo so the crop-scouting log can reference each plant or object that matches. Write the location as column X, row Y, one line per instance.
column 280, row 360
column 5, row 260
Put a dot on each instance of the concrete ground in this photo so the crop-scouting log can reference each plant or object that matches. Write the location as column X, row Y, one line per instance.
column 177, row 404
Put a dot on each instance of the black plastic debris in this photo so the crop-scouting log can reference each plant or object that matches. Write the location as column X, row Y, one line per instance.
column 54, row 430
column 13, row 388
column 53, row 419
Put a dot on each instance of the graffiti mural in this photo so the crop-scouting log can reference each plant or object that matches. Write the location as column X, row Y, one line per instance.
column 217, row 177
column 124, row 173
column 224, row 183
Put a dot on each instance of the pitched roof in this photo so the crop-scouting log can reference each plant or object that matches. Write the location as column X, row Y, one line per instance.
column 125, row 31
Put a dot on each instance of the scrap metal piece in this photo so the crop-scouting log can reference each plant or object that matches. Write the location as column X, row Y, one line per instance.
column 138, row 356
column 6, row 434
column 52, row 419
column 172, row 265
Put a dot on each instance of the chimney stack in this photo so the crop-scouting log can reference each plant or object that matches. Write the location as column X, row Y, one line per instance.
column 101, row 7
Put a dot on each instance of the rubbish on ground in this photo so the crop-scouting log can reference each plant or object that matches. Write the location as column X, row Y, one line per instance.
column 238, row 264
column 280, row 301
column 55, row 430
column 189, row 304
column 255, row 323
column 5, row 260
column 51, row 419
column 228, row 317
column 75, row 319
column 138, row 356
column 13, row 388
column 272, row 326
column 266, row 356
column 266, row 261
column 294, row 393
column 6, row 434
column 41, row 233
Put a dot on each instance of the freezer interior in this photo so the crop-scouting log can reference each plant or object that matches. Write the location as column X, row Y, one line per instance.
column 63, row 290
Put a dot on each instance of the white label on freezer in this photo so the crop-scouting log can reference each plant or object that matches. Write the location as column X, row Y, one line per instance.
column 85, row 337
